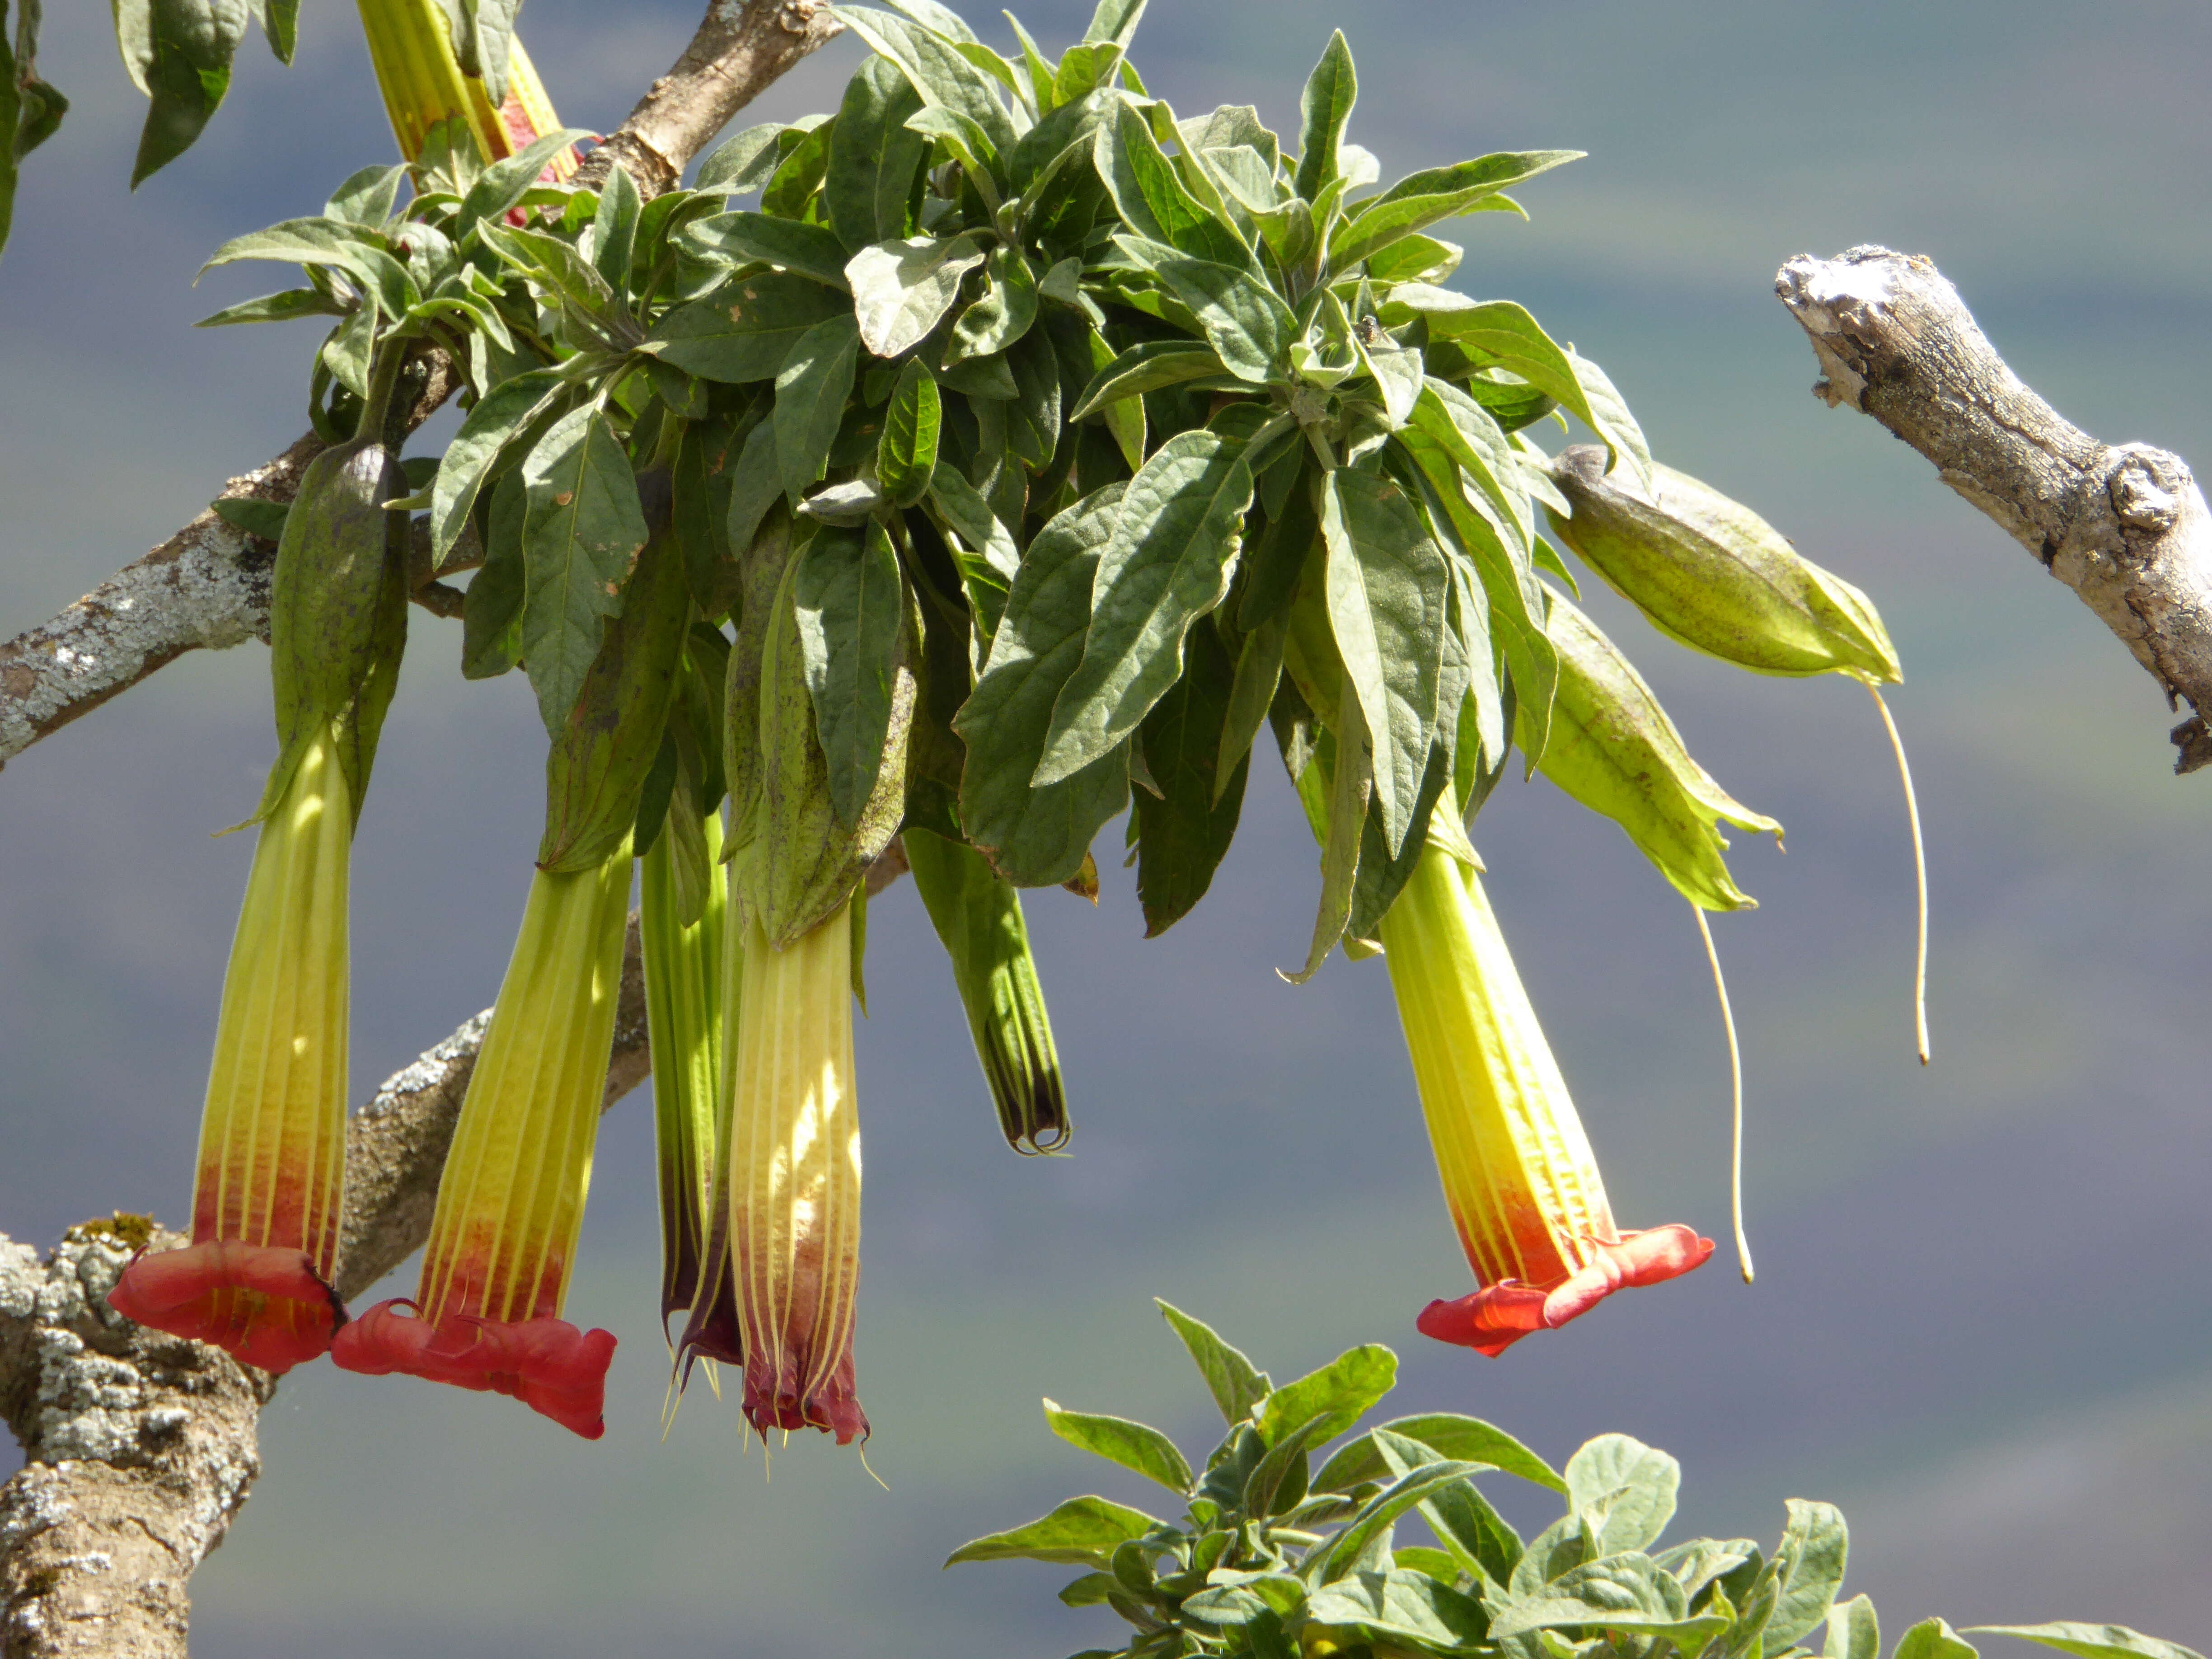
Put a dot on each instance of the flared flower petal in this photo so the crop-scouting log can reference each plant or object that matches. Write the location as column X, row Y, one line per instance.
column 255, row 1280
column 1518, row 1174
column 503, row 1238
column 795, row 1184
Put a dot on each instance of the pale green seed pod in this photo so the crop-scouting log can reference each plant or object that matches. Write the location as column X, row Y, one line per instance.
column 1711, row 573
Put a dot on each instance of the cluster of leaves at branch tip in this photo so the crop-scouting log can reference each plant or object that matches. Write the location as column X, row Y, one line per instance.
column 1274, row 1558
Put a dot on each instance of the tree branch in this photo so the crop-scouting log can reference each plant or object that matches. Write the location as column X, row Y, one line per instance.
column 2124, row 527
column 207, row 586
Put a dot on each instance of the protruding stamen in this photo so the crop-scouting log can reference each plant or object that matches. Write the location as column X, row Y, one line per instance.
column 1919, row 872
column 1735, row 1085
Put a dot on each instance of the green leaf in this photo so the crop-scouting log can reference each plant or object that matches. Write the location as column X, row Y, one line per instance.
column 182, row 63
column 1477, row 1536
column 1811, row 1555
column 1033, row 422
column 1230, row 1378
column 851, row 604
column 1606, row 412
column 1002, row 314
column 1931, row 1638
column 1422, row 199
column 1151, row 196
column 1855, row 1633
column 1325, row 105
column 938, row 71
column 869, row 183
column 610, row 241
column 739, row 239
column 1184, row 832
column 481, row 30
column 1251, row 693
column 1115, row 20
column 501, row 415
column 1147, row 366
column 810, row 389
column 322, row 242
column 756, row 486
column 1345, row 774
column 368, row 197
column 1036, row 837
column 1339, row 1392
column 1084, row 1532
column 1411, row 1606
column 1249, row 328
column 503, row 185
column 906, row 454
column 1407, row 1492
column 747, row 160
column 1468, row 1439
column 1704, row 1561
column 491, row 613
column 2085, row 1641
column 900, row 288
column 582, row 526
column 1386, row 586
column 1167, row 565
column 744, row 330
column 253, row 515
column 1613, row 747
column 1133, row 1445
column 1632, row 1484
column 971, row 518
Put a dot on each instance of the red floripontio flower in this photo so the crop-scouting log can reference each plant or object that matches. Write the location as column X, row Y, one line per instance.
column 487, row 1314
column 1518, row 1174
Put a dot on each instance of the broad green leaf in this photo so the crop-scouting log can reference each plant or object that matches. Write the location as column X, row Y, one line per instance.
column 366, row 197
column 503, row 185
column 1468, row 1439
column 1147, row 366
column 900, row 288
column 1084, row 1532
column 1640, row 1481
column 1151, row 196
column 1466, row 432
column 1033, row 422
column 746, row 160
column 1395, row 369
column 1702, row 1561
column 943, row 19
column 739, row 239
column 1339, row 1392
column 281, row 308
column 1236, row 1386
column 1324, row 107
column 1035, row 837
column 1422, row 199
column 938, row 72
column 971, row 519
column 851, row 604
column 179, row 54
column 810, row 389
column 1184, row 832
column 1002, row 314
column 1167, row 565
column 611, row 239
column 1607, row 411
column 1855, row 1633
column 744, row 330
column 1343, row 776
column 1409, row 1606
column 1623, row 1592
column 1477, row 1536
column 1613, row 747
column 482, row 32
column 1931, row 1638
column 1115, row 20
column 336, row 248
column 1249, row 328
column 1251, row 694
column 756, row 486
column 1387, row 581
column 1133, row 1445
column 1814, row 1548
column 1414, row 258
column 501, row 415
column 582, row 526
column 906, row 454
column 2085, row 1641
column 1407, row 1492
column 491, row 613
column 869, row 183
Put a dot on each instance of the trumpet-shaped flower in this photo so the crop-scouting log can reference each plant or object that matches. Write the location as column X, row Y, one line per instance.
column 411, row 46
column 1518, row 1175
column 795, row 1181
column 255, row 1280
column 503, row 1239
column 684, row 1016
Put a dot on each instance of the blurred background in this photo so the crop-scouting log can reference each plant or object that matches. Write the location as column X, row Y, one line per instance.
column 1983, row 1323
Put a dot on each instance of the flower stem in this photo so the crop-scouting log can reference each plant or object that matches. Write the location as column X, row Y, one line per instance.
column 1919, row 872
column 1736, row 1083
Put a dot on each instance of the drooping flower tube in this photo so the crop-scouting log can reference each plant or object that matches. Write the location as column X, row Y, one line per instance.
column 503, row 1239
column 795, row 1181
column 411, row 44
column 256, row 1278
column 683, row 1016
column 1518, row 1174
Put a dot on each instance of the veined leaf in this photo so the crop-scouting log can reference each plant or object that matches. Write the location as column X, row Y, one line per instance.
column 1184, row 832
column 1468, row 1439
column 1404, row 1604
column 1422, row 199
column 744, row 330
column 1339, row 1392
column 1640, row 1481
column 503, row 185
column 1325, row 105
column 1932, row 1638
column 906, row 454
column 582, row 527
column 810, row 389
column 1036, row 837
column 1084, row 1532
column 1002, row 314
column 938, row 71
column 1812, row 1553
column 1147, row 366
column 1247, row 326
column 1133, row 1445
column 747, row 160
column 874, row 158
column 319, row 242
column 500, row 416
column 1236, row 1386
column 1345, row 767
column 2086, row 1641
column 1407, row 1492
column 1150, row 195
column 900, row 288
column 851, row 604
column 1855, row 1633
column 1167, row 564
column 740, row 239
column 1386, row 591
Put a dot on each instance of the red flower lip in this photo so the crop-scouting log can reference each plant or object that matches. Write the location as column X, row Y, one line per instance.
column 1494, row 1318
column 262, row 1304
column 548, row 1365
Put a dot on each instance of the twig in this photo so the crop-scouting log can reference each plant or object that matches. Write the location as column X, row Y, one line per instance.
column 2125, row 527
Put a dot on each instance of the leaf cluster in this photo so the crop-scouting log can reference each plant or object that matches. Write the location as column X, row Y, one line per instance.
column 1273, row 1557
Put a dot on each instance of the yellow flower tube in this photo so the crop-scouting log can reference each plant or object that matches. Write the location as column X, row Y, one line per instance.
column 423, row 84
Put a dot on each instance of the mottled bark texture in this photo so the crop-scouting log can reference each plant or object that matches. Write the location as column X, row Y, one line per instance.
column 2123, row 526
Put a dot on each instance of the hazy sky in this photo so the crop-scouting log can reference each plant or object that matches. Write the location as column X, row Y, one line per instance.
column 1983, row 1323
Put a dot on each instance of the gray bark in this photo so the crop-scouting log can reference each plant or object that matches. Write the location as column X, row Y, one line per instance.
column 2123, row 526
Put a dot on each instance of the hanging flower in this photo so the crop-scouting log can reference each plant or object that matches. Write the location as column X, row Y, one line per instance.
column 411, row 45
column 1518, row 1174
column 503, row 1239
